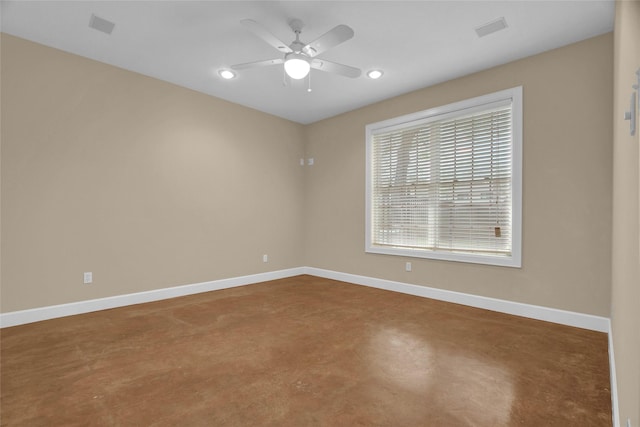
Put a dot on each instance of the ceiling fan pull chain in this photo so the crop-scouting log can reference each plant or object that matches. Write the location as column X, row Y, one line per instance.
column 309, row 80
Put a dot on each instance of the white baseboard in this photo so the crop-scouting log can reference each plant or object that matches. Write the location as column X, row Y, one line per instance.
column 615, row 411
column 21, row 317
column 579, row 320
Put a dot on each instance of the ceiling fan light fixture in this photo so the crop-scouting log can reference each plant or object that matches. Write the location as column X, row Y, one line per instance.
column 226, row 74
column 297, row 66
column 375, row 74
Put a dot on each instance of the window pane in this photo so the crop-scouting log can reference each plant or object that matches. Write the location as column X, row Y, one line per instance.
column 444, row 183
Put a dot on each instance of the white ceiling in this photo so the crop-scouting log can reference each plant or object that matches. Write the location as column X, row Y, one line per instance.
column 416, row 43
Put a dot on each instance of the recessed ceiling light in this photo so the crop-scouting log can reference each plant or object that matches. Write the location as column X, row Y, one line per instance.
column 375, row 74
column 227, row 74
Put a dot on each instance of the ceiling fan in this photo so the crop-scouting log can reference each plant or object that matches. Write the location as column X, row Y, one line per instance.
column 299, row 57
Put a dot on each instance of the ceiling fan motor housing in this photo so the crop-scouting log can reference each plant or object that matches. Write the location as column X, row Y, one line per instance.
column 296, row 46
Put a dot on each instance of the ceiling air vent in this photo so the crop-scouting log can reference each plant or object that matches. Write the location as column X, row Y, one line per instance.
column 100, row 24
column 491, row 27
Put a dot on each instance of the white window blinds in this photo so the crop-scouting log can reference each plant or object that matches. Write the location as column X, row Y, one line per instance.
column 444, row 183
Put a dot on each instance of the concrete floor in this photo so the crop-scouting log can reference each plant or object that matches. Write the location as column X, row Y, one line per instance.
column 302, row 351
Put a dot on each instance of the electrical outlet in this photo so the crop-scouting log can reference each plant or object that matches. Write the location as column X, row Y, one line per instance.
column 628, row 422
column 265, row 258
column 407, row 266
column 88, row 277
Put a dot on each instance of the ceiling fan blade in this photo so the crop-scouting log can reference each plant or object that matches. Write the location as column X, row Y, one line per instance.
column 331, row 38
column 334, row 67
column 257, row 64
column 265, row 35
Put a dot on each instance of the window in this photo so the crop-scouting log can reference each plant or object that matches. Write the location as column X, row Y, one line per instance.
column 446, row 183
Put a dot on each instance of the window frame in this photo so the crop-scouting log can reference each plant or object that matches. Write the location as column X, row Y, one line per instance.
column 437, row 113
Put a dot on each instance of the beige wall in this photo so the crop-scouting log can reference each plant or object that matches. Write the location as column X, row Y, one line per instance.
column 625, row 312
column 146, row 184
column 567, row 184
column 150, row 185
